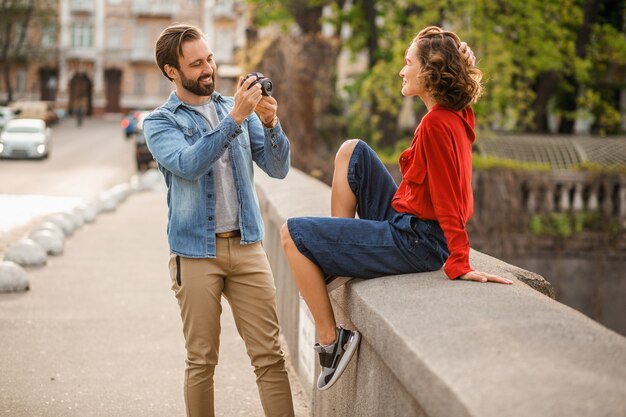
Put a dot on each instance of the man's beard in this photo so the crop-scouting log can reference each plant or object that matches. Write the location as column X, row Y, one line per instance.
column 197, row 88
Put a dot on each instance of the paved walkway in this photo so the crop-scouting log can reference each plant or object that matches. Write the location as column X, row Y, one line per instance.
column 99, row 333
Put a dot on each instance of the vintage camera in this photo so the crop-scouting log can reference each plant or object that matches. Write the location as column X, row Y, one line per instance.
column 266, row 84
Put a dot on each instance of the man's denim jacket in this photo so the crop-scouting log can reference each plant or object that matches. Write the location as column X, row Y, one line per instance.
column 185, row 149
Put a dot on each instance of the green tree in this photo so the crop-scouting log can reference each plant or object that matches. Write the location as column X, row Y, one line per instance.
column 565, row 57
column 600, row 56
column 18, row 44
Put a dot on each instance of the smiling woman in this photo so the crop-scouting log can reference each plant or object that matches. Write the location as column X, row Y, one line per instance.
column 25, row 138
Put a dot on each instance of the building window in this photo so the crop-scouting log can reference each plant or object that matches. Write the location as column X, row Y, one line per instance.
column 20, row 80
column 48, row 37
column 139, row 83
column 114, row 40
column 17, row 35
column 141, row 37
column 224, row 45
column 82, row 35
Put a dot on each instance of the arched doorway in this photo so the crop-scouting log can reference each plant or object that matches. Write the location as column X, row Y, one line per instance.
column 81, row 89
column 113, row 87
column 48, row 80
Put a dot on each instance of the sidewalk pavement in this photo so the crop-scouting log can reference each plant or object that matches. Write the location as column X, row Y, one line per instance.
column 99, row 333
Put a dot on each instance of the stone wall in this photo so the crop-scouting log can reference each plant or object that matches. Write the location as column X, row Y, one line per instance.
column 587, row 268
column 435, row 347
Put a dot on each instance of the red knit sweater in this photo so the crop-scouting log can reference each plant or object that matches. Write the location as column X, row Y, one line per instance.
column 436, row 179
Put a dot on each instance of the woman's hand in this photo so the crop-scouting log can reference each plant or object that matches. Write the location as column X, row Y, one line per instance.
column 484, row 277
column 467, row 54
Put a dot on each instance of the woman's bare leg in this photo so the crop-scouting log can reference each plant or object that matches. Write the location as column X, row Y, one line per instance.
column 343, row 200
column 310, row 281
column 308, row 276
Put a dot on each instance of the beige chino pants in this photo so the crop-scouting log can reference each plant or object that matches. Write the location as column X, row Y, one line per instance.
column 242, row 274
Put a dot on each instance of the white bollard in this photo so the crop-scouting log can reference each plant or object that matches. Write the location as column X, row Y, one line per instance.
column 61, row 219
column 54, row 228
column 48, row 240
column 13, row 278
column 26, row 252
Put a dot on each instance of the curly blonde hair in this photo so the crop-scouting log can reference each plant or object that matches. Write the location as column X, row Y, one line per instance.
column 446, row 74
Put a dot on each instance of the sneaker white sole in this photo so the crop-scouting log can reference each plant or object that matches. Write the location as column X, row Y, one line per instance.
column 353, row 344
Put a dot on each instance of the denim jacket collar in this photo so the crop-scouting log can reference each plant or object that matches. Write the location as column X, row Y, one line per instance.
column 174, row 102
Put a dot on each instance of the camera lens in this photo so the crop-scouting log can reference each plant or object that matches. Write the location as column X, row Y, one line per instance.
column 267, row 87
column 266, row 84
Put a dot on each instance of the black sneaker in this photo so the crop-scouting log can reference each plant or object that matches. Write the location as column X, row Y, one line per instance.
column 335, row 358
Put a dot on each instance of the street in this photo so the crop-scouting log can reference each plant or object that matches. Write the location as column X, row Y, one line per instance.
column 83, row 162
column 99, row 332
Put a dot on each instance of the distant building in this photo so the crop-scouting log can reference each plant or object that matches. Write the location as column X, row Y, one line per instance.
column 102, row 57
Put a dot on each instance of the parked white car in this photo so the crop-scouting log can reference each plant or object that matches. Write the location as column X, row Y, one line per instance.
column 25, row 138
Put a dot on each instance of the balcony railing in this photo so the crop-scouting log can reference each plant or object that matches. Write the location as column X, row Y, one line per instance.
column 82, row 6
column 156, row 9
column 142, row 55
column 224, row 9
column 117, row 54
column 81, row 53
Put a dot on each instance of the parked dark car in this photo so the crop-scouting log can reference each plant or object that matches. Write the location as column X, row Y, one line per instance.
column 142, row 153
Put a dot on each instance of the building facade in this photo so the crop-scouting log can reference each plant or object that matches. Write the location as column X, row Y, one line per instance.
column 102, row 57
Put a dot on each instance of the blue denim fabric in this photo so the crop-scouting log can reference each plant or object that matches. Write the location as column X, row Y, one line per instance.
column 185, row 149
column 381, row 241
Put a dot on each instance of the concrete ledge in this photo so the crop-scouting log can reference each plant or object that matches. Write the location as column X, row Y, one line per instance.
column 435, row 347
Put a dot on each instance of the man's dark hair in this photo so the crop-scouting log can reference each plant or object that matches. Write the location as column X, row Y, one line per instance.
column 169, row 46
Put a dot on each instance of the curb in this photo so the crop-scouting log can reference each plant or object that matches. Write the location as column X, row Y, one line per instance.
column 48, row 236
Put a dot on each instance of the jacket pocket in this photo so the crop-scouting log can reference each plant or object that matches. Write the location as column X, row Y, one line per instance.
column 192, row 133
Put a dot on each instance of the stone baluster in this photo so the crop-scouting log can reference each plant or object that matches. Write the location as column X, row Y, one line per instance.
column 578, row 204
column 592, row 202
column 564, row 198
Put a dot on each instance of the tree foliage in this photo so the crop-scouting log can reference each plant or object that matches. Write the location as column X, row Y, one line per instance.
column 565, row 58
column 18, row 43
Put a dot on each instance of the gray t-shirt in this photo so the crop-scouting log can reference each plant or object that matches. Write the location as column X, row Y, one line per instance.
column 226, row 203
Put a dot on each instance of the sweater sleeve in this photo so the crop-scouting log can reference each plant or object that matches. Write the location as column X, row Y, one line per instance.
column 445, row 184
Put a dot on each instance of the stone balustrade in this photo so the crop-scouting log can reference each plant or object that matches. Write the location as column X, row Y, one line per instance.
column 575, row 191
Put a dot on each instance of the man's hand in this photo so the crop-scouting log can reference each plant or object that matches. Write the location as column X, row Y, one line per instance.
column 266, row 109
column 484, row 277
column 467, row 54
column 246, row 99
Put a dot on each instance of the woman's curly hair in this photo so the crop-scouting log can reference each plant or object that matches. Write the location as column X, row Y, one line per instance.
column 446, row 74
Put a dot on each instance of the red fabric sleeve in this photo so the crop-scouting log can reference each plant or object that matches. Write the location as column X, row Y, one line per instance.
column 446, row 185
